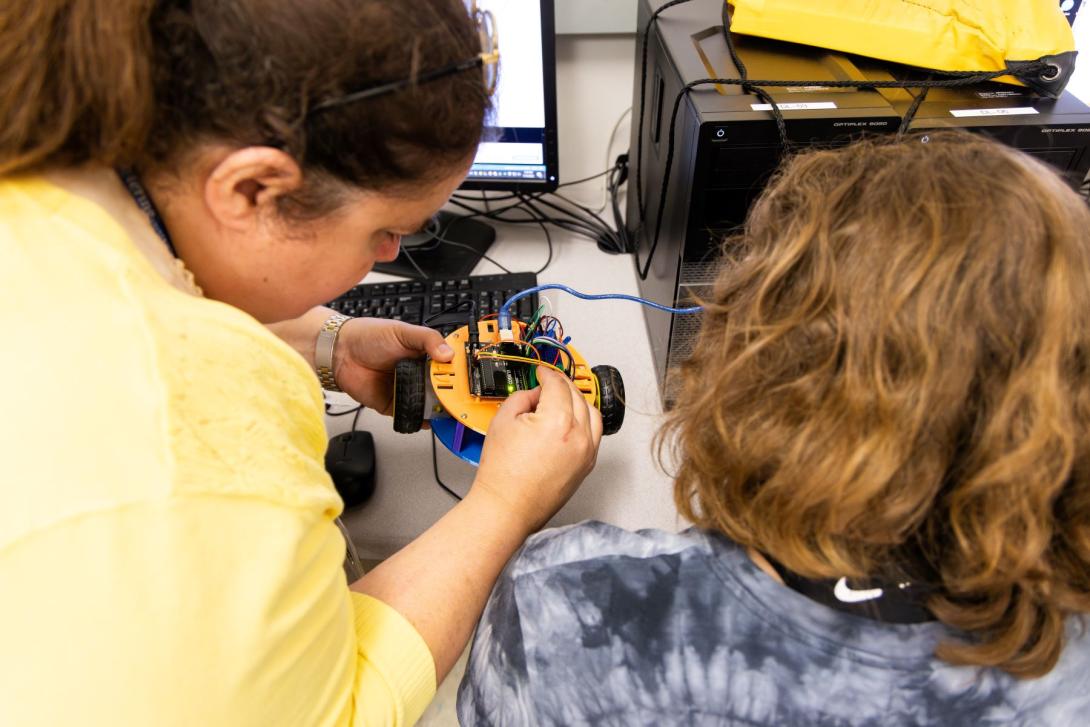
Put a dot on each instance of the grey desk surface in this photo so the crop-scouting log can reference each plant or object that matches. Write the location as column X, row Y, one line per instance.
column 627, row 487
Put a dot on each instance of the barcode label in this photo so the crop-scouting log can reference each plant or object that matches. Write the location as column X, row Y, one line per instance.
column 794, row 106
column 1012, row 111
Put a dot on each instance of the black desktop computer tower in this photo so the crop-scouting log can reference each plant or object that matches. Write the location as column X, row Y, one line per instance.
column 727, row 145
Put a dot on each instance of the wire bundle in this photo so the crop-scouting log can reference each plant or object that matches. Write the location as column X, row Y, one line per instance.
column 547, row 331
column 557, row 210
column 543, row 331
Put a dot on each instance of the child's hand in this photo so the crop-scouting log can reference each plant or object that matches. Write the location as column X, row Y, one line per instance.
column 540, row 446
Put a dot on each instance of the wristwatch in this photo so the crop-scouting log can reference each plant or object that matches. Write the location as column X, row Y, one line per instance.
column 323, row 350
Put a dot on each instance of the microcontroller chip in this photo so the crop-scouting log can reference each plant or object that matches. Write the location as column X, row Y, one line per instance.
column 496, row 378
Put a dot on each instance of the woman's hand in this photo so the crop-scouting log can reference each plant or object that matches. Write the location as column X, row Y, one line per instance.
column 540, row 446
column 367, row 350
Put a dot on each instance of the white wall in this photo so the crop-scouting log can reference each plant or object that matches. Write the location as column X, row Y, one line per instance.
column 596, row 16
column 594, row 87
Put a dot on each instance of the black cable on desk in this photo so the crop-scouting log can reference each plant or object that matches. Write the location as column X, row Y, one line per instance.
column 435, row 471
column 548, row 240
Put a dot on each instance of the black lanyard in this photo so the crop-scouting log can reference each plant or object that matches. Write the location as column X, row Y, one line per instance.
column 143, row 201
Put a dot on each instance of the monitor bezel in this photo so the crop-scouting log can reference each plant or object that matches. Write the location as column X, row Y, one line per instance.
column 552, row 143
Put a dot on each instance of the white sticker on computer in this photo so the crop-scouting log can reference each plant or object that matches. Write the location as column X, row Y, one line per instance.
column 794, row 106
column 1011, row 111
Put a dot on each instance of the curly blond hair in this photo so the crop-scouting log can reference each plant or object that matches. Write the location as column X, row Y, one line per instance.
column 892, row 377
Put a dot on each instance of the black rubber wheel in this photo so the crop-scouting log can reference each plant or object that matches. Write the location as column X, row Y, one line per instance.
column 611, row 387
column 409, row 395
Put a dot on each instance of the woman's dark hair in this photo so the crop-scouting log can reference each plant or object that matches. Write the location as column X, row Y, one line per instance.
column 893, row 370
column 141, row 82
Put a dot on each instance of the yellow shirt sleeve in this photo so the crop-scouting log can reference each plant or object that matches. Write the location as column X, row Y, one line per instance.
column 168, row 554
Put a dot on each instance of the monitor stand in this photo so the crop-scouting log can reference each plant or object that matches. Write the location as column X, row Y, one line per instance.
column 450, row 248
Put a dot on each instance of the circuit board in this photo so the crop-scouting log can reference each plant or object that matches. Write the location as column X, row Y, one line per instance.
column 472, row 386
column 495, row 378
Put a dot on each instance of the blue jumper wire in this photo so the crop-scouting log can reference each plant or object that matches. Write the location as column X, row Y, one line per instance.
column 505, row 309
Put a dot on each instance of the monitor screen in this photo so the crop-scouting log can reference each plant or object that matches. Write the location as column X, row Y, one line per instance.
column 519, row 151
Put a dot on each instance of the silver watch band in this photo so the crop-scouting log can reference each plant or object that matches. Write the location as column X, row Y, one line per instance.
column 323, row 350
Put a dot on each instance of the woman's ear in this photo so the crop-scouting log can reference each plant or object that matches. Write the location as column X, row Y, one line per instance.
column 246, row 185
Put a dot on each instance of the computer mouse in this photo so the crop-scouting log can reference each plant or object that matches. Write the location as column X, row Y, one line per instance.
column 350, row 461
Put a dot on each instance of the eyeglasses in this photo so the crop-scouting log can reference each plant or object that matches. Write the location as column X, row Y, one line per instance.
column 488, row 60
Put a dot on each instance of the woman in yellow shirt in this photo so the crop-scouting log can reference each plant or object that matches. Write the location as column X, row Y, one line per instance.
column 173, row 175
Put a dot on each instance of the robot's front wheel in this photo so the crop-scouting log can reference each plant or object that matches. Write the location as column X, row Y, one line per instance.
column 409, row 395
column 611, row 394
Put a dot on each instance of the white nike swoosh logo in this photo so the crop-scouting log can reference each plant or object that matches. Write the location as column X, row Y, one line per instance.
column 850, row 595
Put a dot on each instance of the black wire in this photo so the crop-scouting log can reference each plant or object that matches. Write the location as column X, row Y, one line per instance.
column 643, row 106
column 591, row 178
column 535, row 216
column 777, row 114
column 584, row 209
column 493, row 214
column 555, row 209
column 743, row 72
column 610, row 240
column 344, row 413
column 472, row 249
column 435, row 471
column 591, row 228
column 481, row 197
column 548, row 240
column 571, row 215
column 614, row 187
column 356, row 419
column 438, row 239
column 451, row 309
column 906, row 122
column 412, row 261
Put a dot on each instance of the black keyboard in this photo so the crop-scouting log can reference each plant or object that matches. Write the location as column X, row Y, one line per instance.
column 417, row 301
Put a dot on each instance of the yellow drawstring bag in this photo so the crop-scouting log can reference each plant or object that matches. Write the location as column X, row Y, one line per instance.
column 945, row 35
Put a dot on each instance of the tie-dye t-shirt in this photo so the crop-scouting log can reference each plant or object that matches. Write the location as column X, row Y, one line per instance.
column 593, row 625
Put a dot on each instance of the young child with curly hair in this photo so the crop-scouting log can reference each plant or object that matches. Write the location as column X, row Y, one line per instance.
column 883, row 439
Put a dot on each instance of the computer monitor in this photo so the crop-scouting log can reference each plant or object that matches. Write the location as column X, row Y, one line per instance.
column 519, row 151
column 520, row 147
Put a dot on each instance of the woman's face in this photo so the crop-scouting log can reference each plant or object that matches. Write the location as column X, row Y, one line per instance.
column 245, row 254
